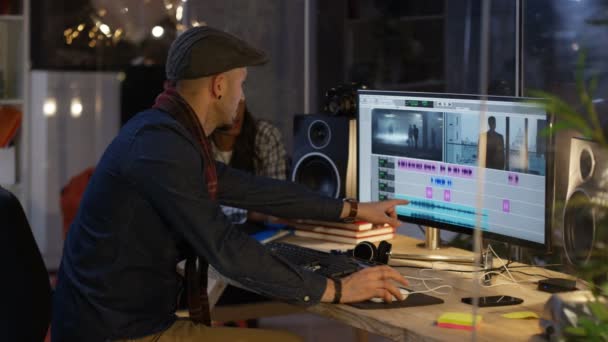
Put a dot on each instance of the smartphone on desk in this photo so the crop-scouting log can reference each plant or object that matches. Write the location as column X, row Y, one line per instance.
column 494, row 301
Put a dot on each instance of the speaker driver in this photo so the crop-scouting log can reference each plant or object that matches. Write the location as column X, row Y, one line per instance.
column 579, row 228
column 587, row 164
column 318, row 173
column 319, row 134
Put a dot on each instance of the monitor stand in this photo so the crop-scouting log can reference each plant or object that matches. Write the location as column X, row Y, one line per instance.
column 433, row 242
column 432, row 239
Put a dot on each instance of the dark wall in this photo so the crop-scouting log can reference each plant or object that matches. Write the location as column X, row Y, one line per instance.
column 274, row 91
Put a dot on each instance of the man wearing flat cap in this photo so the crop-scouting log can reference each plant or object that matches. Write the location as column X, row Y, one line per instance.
column 154, row 200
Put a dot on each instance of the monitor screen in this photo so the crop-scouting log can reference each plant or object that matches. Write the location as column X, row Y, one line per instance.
column 461, row 161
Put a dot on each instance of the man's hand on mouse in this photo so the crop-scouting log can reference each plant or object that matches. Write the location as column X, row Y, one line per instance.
column 379, row 281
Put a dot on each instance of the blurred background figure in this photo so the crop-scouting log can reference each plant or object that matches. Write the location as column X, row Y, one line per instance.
column 250, row 145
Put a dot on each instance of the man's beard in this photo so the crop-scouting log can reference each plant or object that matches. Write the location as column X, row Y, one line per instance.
column 225, row 126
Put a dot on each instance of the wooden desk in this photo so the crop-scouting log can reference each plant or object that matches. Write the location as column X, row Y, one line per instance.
column 418, row 323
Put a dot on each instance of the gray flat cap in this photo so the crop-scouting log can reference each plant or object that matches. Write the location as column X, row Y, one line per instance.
column 205, row 51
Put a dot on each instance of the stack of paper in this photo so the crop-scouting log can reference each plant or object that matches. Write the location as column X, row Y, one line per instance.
column 352, row 233
column 458, row 320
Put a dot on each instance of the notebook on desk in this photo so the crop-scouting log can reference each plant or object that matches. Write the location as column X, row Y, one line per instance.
column 265, row 232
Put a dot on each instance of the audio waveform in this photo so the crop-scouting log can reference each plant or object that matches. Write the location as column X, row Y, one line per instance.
column 444, row 212
column 432, row 205
column 438, row 218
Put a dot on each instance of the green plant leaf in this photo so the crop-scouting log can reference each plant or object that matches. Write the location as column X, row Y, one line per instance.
column 557, row 106
column 599, row 311
column 557, row 126
column 593, row 85
column 576, row 331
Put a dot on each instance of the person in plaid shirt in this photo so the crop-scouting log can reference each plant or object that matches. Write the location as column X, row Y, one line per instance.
column 250, row 145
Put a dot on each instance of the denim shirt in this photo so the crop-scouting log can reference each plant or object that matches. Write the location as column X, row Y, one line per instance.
column 145, row 201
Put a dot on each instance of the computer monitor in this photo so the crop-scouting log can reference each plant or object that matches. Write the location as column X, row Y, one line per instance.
column 430, row 148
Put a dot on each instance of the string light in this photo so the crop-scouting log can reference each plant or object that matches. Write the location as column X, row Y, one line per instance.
column 50, row 107
column 105, row 29
column 179, row 12
column 76, row 107
column 94, row 23
column 158, row 31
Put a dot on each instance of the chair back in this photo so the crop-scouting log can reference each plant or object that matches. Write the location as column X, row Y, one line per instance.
column 25, row 312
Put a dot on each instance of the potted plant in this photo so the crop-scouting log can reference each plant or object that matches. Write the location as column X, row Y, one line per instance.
column 595, row 270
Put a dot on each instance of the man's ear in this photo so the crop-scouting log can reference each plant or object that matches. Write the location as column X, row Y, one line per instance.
column 218, row 83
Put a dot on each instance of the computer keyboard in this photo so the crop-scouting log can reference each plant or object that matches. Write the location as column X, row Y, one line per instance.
column 326, row 264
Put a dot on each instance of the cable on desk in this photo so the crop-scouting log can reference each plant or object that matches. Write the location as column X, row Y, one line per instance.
column 539, row 266
column 434, row 290
column 531, row 274
column 512, row 281
column 429, row 289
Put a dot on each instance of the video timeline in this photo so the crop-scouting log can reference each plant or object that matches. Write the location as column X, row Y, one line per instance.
column 455, row 214
column 431, row 167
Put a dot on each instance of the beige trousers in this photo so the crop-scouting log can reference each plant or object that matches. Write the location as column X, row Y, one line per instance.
column 183, row 330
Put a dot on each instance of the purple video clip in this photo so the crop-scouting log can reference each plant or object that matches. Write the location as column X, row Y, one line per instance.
column 447, row 195
column 506, row 206
column 457, row 171
column 429, row 192
column 513, row 179
column 416, row 165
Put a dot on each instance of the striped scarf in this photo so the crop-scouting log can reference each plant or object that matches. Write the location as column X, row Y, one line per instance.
column 173, row 103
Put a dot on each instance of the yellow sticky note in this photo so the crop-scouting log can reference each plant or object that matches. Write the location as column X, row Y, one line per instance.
column 461, row 318
column 520, row 315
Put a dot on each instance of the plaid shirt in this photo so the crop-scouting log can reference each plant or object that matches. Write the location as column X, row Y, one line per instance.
column 271, row 161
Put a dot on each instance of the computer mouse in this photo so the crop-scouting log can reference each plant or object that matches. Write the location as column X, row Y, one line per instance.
column 404, row 293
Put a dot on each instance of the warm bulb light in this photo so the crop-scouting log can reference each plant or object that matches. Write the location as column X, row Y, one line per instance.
column 105, row 29
column 76, row 107
column 196, row 23
column 50, row 107
column 158, row 31
column 179, row 12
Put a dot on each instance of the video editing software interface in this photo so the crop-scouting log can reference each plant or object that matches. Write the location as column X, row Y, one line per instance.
column 426, row 149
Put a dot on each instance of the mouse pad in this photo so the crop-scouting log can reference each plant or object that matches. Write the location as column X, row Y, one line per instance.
column 414, row 299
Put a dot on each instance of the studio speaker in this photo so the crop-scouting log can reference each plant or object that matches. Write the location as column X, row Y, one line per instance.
column 587, row 184
column 325, row 154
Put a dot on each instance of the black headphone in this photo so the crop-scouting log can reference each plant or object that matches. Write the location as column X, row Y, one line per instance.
column 369, row 252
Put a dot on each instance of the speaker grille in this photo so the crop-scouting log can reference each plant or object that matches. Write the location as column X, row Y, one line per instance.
column 579, row 228
column 318, row 173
